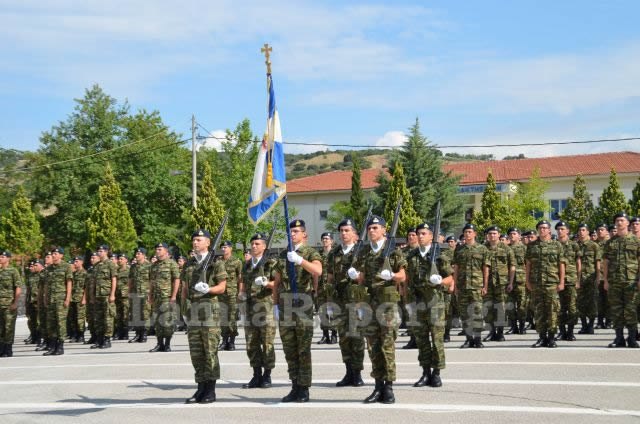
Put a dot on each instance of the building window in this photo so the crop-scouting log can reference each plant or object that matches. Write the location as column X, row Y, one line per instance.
column 537, row 214
column 323, row 215
column 557, row 206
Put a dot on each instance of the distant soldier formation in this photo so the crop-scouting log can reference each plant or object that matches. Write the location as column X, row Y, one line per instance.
column 362, row 287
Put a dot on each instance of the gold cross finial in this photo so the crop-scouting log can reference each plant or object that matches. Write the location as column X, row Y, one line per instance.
column 267, row 54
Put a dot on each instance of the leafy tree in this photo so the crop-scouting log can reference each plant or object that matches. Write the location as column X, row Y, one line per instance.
column 634, row 203
column 20, row 228
column 110, row 221
column 520, row 209
column 337, row 212
column 398, row 190
column 612, row 201
column 579, row 206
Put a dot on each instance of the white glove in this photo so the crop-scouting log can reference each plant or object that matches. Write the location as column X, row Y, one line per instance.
column 386, row 275
column 435, row 280
column 202, row 287
column 353, row 273
column 261, row 281
column 294, row 257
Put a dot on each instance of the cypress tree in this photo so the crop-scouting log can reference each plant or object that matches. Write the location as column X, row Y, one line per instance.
column 358, row 208
column 20, row 228
column 110, row 221
column 579, row 206
column 492, row 210
column 398, row 190
column 634, row 203
column 612, row 200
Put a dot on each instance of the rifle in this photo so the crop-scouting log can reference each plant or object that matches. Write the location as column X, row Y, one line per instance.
column 363, row 235
column 268, row 243
column 216, row 241
column 394, row 229
column 435, row 243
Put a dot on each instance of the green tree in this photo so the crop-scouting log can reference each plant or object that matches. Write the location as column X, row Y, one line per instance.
column 398, row 190
column 20, row 228
column 520, row 209
column 492, row 210
column 634, row 203
column 337, row 212
column 356, row 202
column 110, row 221
column 612, row 201
column 579, row 206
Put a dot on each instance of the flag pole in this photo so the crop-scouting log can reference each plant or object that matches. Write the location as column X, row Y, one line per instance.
column 266, row 49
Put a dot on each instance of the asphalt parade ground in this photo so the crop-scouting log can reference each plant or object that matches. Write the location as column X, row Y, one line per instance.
column 581, row 381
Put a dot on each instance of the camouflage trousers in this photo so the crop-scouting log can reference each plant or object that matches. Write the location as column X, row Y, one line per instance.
column 622, row 305
column 430, row 332
column 587, row 298
column 203, row 349
column 450, row 308
column 517, row 306
column 77, row 316
column 230, row 320
column 326, row 322
column 381, row 334
column 91, row 317
column 296, row 334
column 7, row 324
column 568, row 314
column 57, row 319
column 31, row 309
column 350, row 336
column 122, row 306
column 470, row 303
column 603, row 302
column 140, row 311
column 104, row 313
column 260, row 334
column 165, row 319
column 546, row 306
column 494, row 305
column 42, row 321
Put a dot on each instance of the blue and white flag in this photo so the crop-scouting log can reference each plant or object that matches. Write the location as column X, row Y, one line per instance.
column 269, row 179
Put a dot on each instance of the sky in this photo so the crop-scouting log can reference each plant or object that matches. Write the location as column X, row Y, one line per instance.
column 344, row 72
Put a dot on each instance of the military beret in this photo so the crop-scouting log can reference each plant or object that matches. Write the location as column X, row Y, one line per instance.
column 297, row 223
column 111, row 255
column 592, row 233
column 122, row 255
column 48, row 253
column 450, row 238
column 543, row 222
column 59, row 250
column 70, row 261
column 327, row 234
column 503, row 236
column 423, row 226
column 611, row 228
column 191, row 252
column 346, row 222
column 5, row 253
column 140, row 250
column 414, row 229
column 554, row 237
column 621, row 215
column 533, row 233
column 526, row 233
column 634, row 219
column 226, row 243
column 469, row 227
column 376, row 220
column 38, row 261
column 492, row 228
column 247, row 250
column 94, row 254
column 561, row 224
column 182, row 257
column 103, row 247
column 78, row 258
column 583, row 225
column 258, row 236
column 200, row 233
column 163, row 244
column 513, row 230
column 601, row 225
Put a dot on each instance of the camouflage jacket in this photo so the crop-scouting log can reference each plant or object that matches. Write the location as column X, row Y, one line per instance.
column 545, row 258
column 33, row 286
column 519, row 252
column 419, row 272
column 371, row 264
column 264, row 268
column 590, row 255
column 470, row 260
column 501, row 259
column 161, row 277
column 572, row 253
column 103, row 272
column 233, row 267
column 337, row 265
column 123, row 277
column 9, row 281
column 621, row 254
column 57, row 277
column 140, row 274
column 79, row 281
column 304, row 279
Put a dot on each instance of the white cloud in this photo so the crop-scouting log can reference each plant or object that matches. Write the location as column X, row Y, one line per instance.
column 392, row 138
column 213, row 140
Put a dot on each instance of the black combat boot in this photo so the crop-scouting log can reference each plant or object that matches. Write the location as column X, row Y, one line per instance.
column 477, row 342
column 167, row 344
column 8, row 350
column 59, row 349
column 590, row 323
column 561, row 334
column 143, row 336
column 256, row 380
column 136, row 338
column 412, row 343
column 98, row 343
column 468, row 343
column 583, row 325
column 106, row 343
column 435, row 380
column 325, row 339
column 29, row 339
column 52, row 350
column 209, row 395
column 357, row 378
column 159, row 347
column 152, row 331
column 607, row 323
column 231, row 344
column 499, row 334
column 447, row 335
column 376, row 395
column 347, row 380
column 3, row 346
column 632, row 340
column 293, row 394
column 424, row 378
column 223, row 343
column 266, row 379
column 522, row 329
column 197, row 396
column 334, row 337
column 92, row 339
column 542, row 341
column 551, row 340
column 303, row 394
column 387, row 393
column 570, row 337
column 600, row 324
column 491, row 336
column 619, row 340
column 79, row 337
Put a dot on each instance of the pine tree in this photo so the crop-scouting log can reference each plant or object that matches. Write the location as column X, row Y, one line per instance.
column 634, row 203
column 492, row 211
column 612, row 201
column 358, row 208
column 398, row 190
column 20, row 228
column 110, row 221
column 579, row 206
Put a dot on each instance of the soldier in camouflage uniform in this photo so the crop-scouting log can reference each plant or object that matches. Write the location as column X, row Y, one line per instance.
column 256, row 287
column 182, row 262
column 412, row 243
column 296, row 309
column 620, row 268
column 384, row 279
column 450, row 298
column 59, row 284
column 471, row 263
column 603, row 304
column 568, row 316
column 545, row 278
column 203, row 282
column 326, row 323
column 164, row 281
column 590, row 255
column 501, row 273
column 10, row 289
column 105, row 275
column 342, row 294
column 122, row 298
column 45, row 342
column 428, row 287
column 90, row 296
column 229, row 299
column 139, row 275
column 517, row 291
column 31, row 302
column 635, row 229
column 77, row 310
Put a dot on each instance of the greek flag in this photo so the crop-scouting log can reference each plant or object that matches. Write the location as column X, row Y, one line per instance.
column 269, row 179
